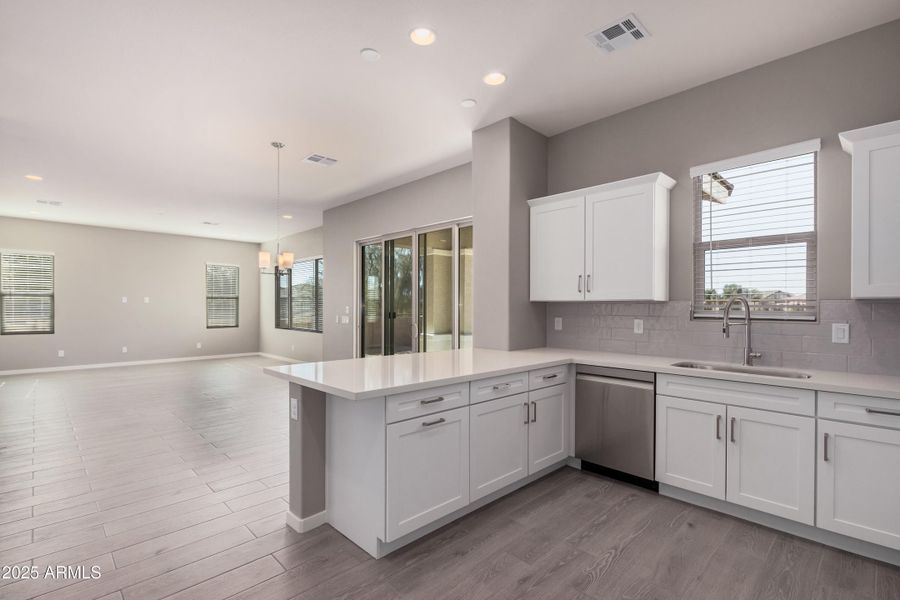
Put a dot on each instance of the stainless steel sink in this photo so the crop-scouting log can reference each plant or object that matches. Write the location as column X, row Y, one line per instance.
column 742, row 369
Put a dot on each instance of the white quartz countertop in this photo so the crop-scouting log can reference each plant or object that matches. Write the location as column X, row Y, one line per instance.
column 375, row 376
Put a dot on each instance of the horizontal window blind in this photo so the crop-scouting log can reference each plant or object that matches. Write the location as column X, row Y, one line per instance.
column 26, row 293
column 299, row 296
column 755, row 236
column 222, row 295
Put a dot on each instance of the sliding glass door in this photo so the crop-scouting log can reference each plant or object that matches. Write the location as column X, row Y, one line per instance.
column 415, row 291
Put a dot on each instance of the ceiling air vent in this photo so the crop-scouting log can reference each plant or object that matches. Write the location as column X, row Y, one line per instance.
column 618, row 35
column 318, row 159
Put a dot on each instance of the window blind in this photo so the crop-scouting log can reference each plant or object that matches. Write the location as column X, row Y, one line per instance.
column 755, row 236
column 222, row 295
column 26, row 293
column 299, row 296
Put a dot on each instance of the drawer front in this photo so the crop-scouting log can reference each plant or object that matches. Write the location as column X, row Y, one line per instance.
column 738, row 393
column 498, row 387
column 400, row 407
column 883, row 412
column 542, row 378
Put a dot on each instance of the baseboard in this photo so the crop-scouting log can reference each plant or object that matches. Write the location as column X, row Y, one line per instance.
column 829, row 538
column 279, row 357
column 308, row 524
column 129, row 363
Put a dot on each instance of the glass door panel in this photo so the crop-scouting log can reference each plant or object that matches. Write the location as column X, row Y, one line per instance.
column 372, row 310
column 465, row 287
column 436, row 290
column 398, row 294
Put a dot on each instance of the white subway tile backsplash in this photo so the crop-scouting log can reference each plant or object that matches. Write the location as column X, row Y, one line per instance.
column 669, row 331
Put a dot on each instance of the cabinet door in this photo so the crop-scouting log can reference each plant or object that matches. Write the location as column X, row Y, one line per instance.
column 498, row 444
column 875, row 270
column 620, row 244
column 557, row 250
column 690, row 445
column 427, row 470
column 771, row 462
column 858, row 485
column 547, row 427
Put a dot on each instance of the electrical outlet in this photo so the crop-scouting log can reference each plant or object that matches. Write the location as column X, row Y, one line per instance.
column 346, row 310
column 295, row 409
column 337, row 318
column 124, row 299
column 639, row 326
column 124, row 349
column 146, row 299
column 60, row 353
column 840, row 333
column 199, row 345
column 557, row 323
column 345, row 319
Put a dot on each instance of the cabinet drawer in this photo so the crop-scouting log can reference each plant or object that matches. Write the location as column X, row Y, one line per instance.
column 884, row 412
column 739, row 393
column 498, row 387
column 542, row 378
column 424, row 402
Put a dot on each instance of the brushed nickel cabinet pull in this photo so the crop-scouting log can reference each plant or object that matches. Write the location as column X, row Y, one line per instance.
column 533, row 412
column 883, row 411
column 589, row 283
column 432, row 400
column 502, row 386
column 527, row 413
column 718, row 427
column 435, row 422
column 825, row 447
column 733, row 420
column 579, row 284
column 548, row 377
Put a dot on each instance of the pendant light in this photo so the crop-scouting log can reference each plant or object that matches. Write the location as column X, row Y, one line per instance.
column 285, row 260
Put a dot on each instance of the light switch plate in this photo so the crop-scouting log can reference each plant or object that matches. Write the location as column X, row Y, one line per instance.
column 557, row 323
column 124, row 299
column 146, row 299
column 639, row 326
column 124, row 349
column 840, row 333
column 199, row 345
column 60, row 353
column 295, row 409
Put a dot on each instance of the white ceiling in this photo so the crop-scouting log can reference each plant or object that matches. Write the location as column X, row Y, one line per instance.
column 158, row 115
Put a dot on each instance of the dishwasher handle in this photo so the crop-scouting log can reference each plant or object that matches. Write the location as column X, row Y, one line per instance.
column 640, row 385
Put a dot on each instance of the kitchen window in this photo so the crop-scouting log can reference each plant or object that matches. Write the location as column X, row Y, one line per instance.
column 26, row 292
column 298, row 296
column 222, row 295
column 755, row 233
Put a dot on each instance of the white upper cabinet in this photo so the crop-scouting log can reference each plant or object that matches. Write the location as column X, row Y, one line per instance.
column 608, row 242
column 875, row 245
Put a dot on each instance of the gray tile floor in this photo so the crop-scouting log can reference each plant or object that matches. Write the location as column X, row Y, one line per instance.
column 172, row 479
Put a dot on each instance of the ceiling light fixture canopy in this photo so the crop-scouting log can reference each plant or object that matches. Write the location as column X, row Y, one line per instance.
column 422, row 36
column 468, row 103
column 285, row 260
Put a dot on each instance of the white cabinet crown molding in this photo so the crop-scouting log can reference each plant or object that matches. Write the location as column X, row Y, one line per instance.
column 849, row 138
column 658, row 178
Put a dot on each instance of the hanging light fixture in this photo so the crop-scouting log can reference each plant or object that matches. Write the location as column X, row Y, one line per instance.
column 284, row 260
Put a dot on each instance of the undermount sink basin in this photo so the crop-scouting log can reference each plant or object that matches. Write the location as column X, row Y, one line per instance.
column 742, row 369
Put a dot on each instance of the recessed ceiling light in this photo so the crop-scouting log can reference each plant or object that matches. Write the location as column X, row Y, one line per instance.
column 34, row 177
column 468, row 103
column 422, row 36
column 495, row 78
column 370, row 54
column 287, row 216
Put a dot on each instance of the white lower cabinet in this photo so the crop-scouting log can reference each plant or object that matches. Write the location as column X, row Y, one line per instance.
column 858, row 483
column 690, row 445
column 498, row 446
column 546, row 427
column 771, row 462
column 427, row 470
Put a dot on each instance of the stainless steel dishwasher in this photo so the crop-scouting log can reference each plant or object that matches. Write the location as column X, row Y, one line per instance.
column 615, row 423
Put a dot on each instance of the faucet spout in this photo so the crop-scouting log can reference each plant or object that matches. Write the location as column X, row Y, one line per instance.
column 749, row 355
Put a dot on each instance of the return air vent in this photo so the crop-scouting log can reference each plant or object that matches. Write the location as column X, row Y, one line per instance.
column 618, row 35
column 318, row 159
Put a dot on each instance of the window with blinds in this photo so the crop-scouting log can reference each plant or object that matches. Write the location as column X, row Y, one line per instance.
column 26, row 293
column 755, row 235
column 222, row 295
column 298, row 296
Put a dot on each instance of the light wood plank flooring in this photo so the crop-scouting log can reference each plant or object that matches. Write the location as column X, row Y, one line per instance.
column 172, row 479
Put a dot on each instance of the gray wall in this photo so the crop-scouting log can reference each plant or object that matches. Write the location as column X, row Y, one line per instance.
column 299, row 345
column 841, row 85
column 96, row 266
column 440, row 197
